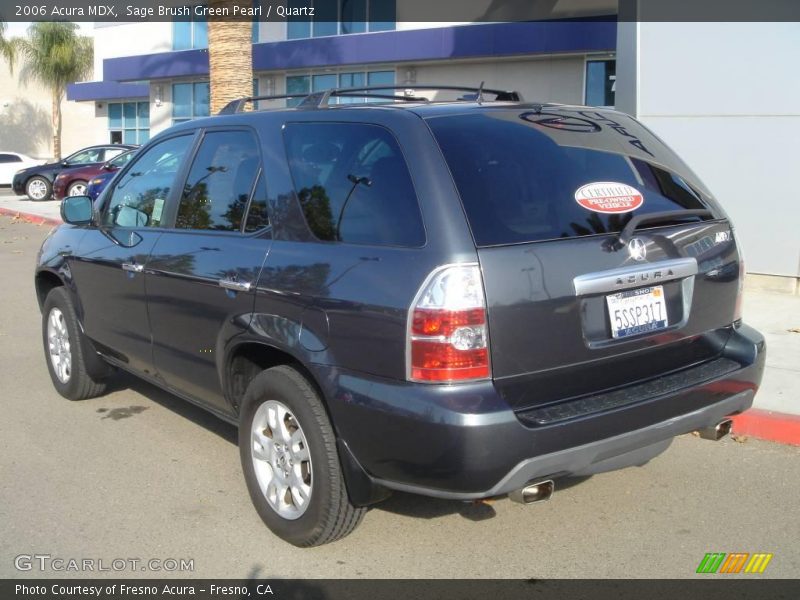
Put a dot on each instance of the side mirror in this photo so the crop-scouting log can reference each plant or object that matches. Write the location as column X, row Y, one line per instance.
column 64, row 163
column 108, row 167
column 76, row 210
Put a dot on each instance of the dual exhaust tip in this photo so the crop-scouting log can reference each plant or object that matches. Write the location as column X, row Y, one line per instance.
column 716, row 432
column 540, row 491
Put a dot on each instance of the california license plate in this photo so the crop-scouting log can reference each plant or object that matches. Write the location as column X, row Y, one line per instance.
column 637, row 311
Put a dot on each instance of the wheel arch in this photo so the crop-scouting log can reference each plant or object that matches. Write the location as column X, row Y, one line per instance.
column 247, row 359
column 45, row 282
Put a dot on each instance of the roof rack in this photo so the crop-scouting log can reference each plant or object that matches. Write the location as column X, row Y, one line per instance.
column 322, row 99
column 236, row 106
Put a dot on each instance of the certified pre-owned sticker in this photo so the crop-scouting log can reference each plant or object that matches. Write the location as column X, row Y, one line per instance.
column 609, row 197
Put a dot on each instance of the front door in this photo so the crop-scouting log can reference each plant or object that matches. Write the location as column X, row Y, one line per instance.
column 110, row 271
column 202, row 273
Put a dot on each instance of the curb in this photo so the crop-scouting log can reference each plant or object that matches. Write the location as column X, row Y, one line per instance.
column 768, row 425
column 30, row 218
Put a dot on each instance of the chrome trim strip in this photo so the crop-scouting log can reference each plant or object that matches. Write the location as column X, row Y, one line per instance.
column 639, row 275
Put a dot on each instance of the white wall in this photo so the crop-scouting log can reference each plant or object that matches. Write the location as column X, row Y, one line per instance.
column 726, row 97
column 26, row 122
column 128, row 39
column 552, row 79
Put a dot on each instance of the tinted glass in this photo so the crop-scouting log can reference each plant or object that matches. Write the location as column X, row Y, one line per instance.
column 518, row 174
column 92, row 155
column 112, row 152
column 354, row 16
column 122, row 160
column 146, row 185
column 600, row 80
column 182, row 100
column 353, row 184
column 257, row 217
column 181, row 35
column 220, row 182
column 9, row 158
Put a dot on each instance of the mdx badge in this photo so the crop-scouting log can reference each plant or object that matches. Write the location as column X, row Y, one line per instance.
column 637, row 249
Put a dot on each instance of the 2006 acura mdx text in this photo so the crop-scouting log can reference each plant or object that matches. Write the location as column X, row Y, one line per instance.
column 461, row 299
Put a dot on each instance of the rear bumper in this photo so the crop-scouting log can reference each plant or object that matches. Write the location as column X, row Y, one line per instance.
column 464, row 442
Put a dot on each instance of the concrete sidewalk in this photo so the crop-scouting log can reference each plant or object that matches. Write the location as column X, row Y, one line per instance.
column 48, row 211
column 776, row 411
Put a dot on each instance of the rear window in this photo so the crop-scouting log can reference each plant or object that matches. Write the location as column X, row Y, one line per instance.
column 526, row 177
column 353, row 184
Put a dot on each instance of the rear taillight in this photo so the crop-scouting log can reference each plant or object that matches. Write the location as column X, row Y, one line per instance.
column 447, row 333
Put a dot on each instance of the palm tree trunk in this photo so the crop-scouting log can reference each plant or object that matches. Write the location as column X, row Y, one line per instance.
column 57, row 124
column 230, row 56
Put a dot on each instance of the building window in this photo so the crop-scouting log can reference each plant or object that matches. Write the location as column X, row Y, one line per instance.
column 306, row 84
column 601, row 80
column 189, row 101
column 129, row 122
column 190, row 34
column 342, row 17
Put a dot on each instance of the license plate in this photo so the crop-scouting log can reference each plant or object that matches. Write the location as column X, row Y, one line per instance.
column 637, row 311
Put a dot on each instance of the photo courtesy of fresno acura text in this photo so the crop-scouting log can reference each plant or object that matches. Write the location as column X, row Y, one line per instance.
column 338, row 298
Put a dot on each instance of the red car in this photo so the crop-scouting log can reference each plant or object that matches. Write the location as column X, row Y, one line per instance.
column 75, row 181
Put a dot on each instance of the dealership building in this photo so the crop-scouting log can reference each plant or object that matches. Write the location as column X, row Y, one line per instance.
column 721, row 94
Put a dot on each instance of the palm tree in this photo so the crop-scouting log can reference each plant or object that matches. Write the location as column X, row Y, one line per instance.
column 54, row 55
column 230, row 56
column 7, row 48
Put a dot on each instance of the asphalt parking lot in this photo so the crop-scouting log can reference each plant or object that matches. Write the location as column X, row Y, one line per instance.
column 140, row 474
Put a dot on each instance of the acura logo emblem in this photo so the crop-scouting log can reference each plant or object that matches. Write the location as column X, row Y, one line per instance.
column 637, row 249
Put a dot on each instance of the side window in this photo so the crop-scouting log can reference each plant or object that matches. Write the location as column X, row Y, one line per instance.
column 9, row 158
column 257, row 217
column 112, row 152
column 92, row 155
column 220, row 182
column 139, row 197
column 353, row 184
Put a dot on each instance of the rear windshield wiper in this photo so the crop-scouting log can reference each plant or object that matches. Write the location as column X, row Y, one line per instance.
column 668, row 215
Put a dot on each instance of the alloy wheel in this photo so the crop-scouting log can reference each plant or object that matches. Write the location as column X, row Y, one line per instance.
column 59, row 345
column 281, row 459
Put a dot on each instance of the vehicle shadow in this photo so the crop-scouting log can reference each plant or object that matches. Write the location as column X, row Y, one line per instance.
column 400, row 503
column 124, row 381
column 424, row 507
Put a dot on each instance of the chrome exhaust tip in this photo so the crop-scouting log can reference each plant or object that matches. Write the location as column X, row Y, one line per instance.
column 538, row 491
column 718, row 431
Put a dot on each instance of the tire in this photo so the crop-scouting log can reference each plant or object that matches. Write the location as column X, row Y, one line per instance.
column 71, row 379
column 38, row 188
column 327, row 514
column 77, row 188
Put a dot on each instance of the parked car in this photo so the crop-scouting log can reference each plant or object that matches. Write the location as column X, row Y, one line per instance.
column 11, row 162
column 37, row 182
column 459, row 299
column 76, row 181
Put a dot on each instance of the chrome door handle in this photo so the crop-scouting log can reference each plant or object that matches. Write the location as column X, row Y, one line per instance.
column 236, row 286
column 132, row 267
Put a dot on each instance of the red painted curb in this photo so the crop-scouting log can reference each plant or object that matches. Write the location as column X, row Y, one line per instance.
column 35, row 219
column 767, row 425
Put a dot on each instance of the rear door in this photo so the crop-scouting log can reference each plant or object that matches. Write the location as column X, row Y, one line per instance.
column 202, row 273
column 572, row 311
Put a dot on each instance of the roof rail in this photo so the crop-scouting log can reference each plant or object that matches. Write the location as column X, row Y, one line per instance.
column 322, row 99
